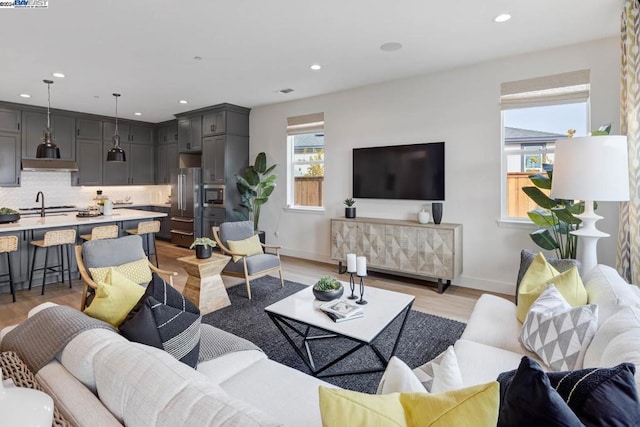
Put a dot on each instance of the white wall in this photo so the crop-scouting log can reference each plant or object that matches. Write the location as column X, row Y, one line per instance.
column 458, row 106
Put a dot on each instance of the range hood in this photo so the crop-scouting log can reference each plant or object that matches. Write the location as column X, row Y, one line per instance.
column 49, row 165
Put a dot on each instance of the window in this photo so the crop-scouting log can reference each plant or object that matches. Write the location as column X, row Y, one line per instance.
column 305, row 148
column 535, row 113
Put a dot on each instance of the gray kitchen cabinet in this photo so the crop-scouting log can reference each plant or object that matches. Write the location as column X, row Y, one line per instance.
column 213, row 123
column 63, row 128
column 213, row 150
column 140, row 160
column 140, row 135
column 89, row 155
column 190, row 134
column 88, row 129
column 9, row 159
column 168, row 134
column 166, row 161
column 109, row 129
column 9, row 120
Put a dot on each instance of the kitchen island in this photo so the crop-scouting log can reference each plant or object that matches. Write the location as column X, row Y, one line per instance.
column 30, row 228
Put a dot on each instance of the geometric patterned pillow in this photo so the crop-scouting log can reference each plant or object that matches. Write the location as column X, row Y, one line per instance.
column 440, row 374
column 138, row 271
column 165, row 319
column 559, row 336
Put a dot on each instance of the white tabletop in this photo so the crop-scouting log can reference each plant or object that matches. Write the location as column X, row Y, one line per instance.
column 383, row 306
column 67, row 219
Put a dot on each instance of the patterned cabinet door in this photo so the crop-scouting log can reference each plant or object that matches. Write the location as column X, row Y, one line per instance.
column 371, row 243
column 436, row 252
column 344, row 236
column 402, row 248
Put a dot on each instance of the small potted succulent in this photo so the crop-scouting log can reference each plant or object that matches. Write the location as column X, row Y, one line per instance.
column 349, row 211
column 327, row 289
column 203, row 247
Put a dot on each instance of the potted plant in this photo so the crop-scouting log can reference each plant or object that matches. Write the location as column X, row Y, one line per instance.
column 327, row 288
column 203, row 247
column 349, row 211
column 255, row 186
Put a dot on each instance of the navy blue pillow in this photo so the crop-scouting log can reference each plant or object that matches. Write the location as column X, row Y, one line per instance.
column 528, row 400
column 598, row 396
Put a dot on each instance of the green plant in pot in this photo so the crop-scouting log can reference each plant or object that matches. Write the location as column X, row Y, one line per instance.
column 255, row 186
column 350, row 210
column 327, row 288
column 203, row 246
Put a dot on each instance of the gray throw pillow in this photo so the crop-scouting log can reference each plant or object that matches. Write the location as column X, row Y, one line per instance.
column 526, row 258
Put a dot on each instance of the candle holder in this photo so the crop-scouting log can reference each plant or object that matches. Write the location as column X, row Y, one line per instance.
column 352, row 285
column 361, row 301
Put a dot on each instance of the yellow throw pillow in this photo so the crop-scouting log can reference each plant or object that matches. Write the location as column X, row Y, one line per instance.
column 115, row 298
column 250, row 246
column 540, row 275
column 475, row 406
column 137, row 271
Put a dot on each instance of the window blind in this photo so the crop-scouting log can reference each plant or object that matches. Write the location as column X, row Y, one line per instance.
column 309, row 123
column 564, row 88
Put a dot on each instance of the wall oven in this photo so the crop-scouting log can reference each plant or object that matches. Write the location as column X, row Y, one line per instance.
column 213, row 196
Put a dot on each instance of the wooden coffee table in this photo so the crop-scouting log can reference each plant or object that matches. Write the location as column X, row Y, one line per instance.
column 204, row 286
column 302, row 309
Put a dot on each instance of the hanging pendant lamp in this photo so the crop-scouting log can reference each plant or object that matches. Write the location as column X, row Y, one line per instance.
column 116, row 153
column 48, row 149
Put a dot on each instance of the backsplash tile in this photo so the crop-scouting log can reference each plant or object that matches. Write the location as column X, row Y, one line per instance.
column 58, row 191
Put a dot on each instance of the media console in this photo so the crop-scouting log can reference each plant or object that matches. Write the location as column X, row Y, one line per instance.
column 406, row 248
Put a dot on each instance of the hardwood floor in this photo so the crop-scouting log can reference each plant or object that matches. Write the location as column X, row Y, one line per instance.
column 456, row 303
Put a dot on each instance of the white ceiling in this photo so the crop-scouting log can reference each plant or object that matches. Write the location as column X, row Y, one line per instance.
column 250, row 49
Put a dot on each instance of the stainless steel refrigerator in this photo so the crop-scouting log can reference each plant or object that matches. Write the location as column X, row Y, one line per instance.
column 186, row 206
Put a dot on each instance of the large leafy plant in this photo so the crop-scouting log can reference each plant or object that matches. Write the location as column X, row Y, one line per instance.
column 557, row 218
column 255, row 186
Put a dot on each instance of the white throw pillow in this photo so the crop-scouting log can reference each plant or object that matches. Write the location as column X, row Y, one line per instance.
column 398, row 378
column 604, row 285
column 557, row 334
column 441, row 374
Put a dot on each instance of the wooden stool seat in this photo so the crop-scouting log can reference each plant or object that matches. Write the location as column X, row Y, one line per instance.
column 149, row 229
column 9, row 244
column 102, row 232
column 53, row 239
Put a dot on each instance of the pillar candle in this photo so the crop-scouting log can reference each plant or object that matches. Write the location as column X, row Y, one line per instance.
column 351, row 263
column 361, row 266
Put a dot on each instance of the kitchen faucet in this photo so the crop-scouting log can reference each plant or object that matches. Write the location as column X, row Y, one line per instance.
column 40, row 193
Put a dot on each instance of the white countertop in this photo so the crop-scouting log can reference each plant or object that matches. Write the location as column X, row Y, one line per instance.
column 68, row 219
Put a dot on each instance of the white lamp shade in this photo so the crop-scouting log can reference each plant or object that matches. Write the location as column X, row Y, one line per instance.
column 591, row 168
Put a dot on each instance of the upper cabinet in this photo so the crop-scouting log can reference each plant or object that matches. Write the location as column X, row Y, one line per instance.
column 213, row 123
column 9, row 120
column 63, row 128
column 168, row 134
column 89, row 129
column 190, row 134
column 140, row 135
column 10, row 141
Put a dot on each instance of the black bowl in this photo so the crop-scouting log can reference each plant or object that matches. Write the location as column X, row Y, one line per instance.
column 4, row 219
column 328, row 295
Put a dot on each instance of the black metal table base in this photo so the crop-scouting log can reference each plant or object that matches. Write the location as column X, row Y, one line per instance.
column 288, row 328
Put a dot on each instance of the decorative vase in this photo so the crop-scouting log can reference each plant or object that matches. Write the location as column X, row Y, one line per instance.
column 328, row 295
column 350, row 212
column 203, row 251
column 436, row 211
column 423, row 216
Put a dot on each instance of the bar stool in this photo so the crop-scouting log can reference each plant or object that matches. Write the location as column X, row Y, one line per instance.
column 102, row 232
column 149, row 229
column 9, row 244
column 59, row 239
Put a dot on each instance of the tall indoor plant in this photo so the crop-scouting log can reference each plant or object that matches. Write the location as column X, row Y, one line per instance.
column 255, row 186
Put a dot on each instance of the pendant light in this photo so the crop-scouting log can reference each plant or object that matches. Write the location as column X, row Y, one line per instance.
column 48, row 149
column 116, row 153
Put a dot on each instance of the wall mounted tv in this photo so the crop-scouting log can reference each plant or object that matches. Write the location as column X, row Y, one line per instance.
column 407, row 172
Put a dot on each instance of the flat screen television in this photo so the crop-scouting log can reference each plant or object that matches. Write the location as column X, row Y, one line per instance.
column 407, row 172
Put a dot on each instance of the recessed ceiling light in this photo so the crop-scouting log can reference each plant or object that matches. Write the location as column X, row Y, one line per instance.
column 390, row 47
column 25, row 95
column 503, row 17
column 58, row 75
column 137, row 114
column 183, row 101
column 316, row 67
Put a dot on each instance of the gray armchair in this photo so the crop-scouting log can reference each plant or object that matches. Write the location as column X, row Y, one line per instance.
column 248, row 267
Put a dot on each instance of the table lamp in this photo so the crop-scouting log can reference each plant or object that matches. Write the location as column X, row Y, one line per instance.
column 591, row 168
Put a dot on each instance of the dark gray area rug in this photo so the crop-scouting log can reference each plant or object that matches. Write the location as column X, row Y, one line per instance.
column 424, row 337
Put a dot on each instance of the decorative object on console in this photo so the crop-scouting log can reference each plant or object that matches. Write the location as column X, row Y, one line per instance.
column 361, row 272
column 327, row 289
column 351, row 269
column 8, row 215
column 349, row 211
column 591, row 168
column 436, row 211
column 255, row 186
column 116, row 153
column 203, row 246
column 48, row 149
column 424, row 216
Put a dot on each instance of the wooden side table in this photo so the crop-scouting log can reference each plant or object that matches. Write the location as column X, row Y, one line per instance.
column 204, row 285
